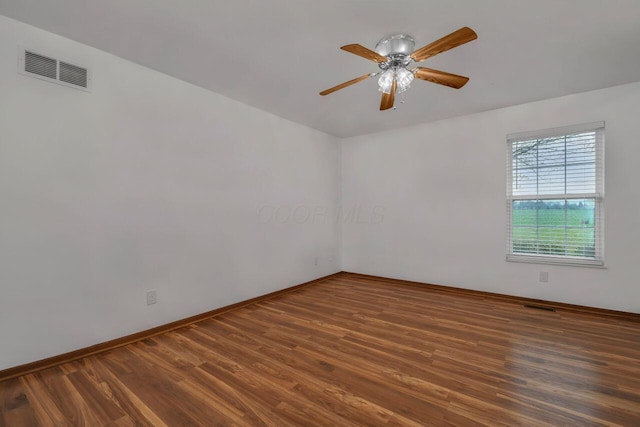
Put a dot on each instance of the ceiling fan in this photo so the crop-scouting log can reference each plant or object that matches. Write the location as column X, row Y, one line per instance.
column 395, row 53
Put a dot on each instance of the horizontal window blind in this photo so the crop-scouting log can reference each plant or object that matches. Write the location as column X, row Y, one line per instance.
column 555, row 186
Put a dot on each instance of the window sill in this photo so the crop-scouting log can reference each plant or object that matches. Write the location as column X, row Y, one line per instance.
column 570, row 262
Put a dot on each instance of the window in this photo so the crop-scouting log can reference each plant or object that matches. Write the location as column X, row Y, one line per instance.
column 555, row 193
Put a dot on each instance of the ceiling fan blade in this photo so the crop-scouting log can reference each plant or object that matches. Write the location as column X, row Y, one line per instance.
column 455, row 39
column 345, row 84
column 388, row 98
column 362, row 51
column 434, row 76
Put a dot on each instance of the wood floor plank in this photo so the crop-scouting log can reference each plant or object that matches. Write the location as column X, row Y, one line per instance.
column 348, row 351
column 130, row 403
column 14, row 405
column 44, row 407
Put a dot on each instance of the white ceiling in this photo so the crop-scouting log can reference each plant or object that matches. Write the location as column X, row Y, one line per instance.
column 278, row 54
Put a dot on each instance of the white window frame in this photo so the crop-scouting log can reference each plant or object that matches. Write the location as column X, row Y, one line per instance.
column 598, row 196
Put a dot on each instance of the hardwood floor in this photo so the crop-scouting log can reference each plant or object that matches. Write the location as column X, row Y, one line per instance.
column 353, row 351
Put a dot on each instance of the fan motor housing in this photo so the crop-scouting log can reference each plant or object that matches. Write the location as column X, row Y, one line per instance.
column 397, row 48
column 397, row 44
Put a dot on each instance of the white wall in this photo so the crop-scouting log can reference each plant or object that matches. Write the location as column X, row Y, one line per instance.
column 442, row 188
column 145, row 183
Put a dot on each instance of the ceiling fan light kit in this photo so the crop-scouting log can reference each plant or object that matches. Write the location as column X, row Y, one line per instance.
column 395, row 53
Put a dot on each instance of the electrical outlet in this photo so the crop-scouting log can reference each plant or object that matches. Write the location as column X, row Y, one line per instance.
column 152, row 297
column 544, row 276
column 315, row 261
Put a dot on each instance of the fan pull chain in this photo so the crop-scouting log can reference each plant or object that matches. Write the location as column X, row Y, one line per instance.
column 401, row 100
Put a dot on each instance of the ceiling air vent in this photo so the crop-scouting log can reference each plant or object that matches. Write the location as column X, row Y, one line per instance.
column 53, row 70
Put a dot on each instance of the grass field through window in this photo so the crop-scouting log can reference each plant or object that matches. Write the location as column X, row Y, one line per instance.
column 554, row 227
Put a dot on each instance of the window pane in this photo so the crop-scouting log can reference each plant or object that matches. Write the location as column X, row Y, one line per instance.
column 581, row 163
column 581, row 227
column 551, row 180
column 554, row 227
column 551, row 166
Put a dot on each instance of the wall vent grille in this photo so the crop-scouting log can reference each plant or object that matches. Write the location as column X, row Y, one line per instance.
column 40, row 65
column 73, row 74
column 54, row 70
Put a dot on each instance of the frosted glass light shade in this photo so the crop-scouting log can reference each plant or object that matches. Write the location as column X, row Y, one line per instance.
column 402, row 76
column 386, row 80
